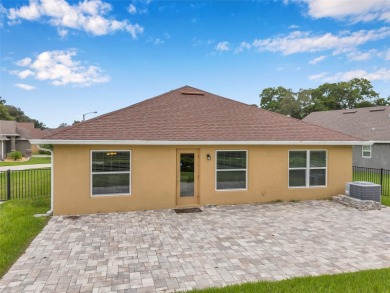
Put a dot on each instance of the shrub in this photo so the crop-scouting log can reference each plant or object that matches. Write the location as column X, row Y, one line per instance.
column 15, row 155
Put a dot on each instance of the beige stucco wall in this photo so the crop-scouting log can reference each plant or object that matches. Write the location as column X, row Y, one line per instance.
column 153, row 178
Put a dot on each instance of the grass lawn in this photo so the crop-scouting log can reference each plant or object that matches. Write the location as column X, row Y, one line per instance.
column 32, row 161
column 18, row 227
column 26, row 183
column 363, row 281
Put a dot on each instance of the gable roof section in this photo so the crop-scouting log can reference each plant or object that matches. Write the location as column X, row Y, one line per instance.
column 371, row 123
column 188, row 114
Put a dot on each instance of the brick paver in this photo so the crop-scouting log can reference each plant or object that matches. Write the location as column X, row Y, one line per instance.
column 151, row 251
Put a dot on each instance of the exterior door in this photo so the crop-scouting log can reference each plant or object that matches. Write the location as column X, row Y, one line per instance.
column 187, row 177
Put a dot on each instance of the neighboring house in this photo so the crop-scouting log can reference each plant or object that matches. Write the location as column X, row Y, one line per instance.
column 370, row 124
column 15, row 136
column 188, row 147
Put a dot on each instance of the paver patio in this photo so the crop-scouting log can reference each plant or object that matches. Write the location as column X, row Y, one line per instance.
column 160, row 250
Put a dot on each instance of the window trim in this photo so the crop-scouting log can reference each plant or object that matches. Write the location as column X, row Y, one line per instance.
column 117, row 172
column 246, row 171
column 370, row 151
column 307, row 168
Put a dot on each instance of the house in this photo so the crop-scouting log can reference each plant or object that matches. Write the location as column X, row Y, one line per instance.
column 188, row 147
column 14, row 136
column 370, row 124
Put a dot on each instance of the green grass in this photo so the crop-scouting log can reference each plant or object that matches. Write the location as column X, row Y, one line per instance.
column 27, row 183
column 18, row 227
column 363, row 281
column 32, row 161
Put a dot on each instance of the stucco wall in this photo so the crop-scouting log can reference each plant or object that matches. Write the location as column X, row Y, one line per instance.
column 153, row 178
column 380, row 157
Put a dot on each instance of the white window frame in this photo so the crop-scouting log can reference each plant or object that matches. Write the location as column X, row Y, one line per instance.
column 308, row 168
column 366, row 151
column 229, row 170
column 116, row 172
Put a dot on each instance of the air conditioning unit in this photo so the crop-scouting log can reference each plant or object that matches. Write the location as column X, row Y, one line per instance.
column 364, row 190
column 347, row 188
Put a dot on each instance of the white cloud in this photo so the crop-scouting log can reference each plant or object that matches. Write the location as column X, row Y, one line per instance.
column 382, row 74
column 24, row 62
column 362, row 56
column 60, row 68
column 89, row 16
column 222, row 46
column 132, row 9
column 24, row 86
column 299, row 42
column 293, row 26
column 354, row 10
column 243, row 46
column 317, row 76
column 387, row 55
column 316, row 60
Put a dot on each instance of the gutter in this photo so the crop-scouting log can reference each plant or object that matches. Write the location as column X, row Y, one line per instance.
column 50, row 212
column 185, row 142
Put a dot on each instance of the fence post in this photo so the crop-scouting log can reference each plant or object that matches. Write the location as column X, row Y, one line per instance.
column 8, row 184
column 382, row 177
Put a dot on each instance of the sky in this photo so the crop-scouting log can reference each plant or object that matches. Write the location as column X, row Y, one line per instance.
column 62, row 58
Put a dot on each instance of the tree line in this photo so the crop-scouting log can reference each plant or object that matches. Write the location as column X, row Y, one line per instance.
column 9, row 112
column 356, row 93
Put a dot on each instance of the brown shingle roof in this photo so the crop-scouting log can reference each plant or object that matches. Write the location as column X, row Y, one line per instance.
column 371, row 123
column 184, row 115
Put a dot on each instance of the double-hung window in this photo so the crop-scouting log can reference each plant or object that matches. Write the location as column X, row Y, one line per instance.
column 366, row 151
column 307, row 168
column 231, row 170
column 110, row 171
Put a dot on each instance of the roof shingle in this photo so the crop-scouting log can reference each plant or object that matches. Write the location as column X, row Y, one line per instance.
column 185, row 115
column 371, row 123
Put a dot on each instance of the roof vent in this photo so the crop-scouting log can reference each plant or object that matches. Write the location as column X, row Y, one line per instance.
column 377, row 110
column 350, row 112
column 193, row 93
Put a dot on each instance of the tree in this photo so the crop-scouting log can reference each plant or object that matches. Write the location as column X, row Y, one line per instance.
column 9, row 112
column 355, row 93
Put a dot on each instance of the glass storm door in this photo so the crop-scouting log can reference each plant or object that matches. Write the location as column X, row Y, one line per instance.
column 187, row 177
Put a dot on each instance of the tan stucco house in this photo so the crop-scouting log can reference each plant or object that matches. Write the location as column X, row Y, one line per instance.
column 189, row 147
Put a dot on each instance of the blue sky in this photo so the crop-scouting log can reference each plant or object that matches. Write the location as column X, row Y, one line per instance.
column 60, row 59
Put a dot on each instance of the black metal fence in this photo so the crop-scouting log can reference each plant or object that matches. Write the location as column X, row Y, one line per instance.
column 378, row 176
column 31, row 183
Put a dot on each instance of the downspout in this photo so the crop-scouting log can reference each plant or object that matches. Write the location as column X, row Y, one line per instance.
column 2, row 150
column 49, row 213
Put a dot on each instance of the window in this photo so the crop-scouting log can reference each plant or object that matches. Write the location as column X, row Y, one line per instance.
column 307, row 168
column 366, row 151
column 231, row 170
column 110, row 172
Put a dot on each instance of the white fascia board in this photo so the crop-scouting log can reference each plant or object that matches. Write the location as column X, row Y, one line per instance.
column 174, row 142
column 380, row 141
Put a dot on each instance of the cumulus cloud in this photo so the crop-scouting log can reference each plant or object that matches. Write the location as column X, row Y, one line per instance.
column 354, row 10
column 60, row 68
column 24, row 86
column 300, row 42
column 89, row 16
column 382, row 74
column 222, row 46
column 316, row 60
